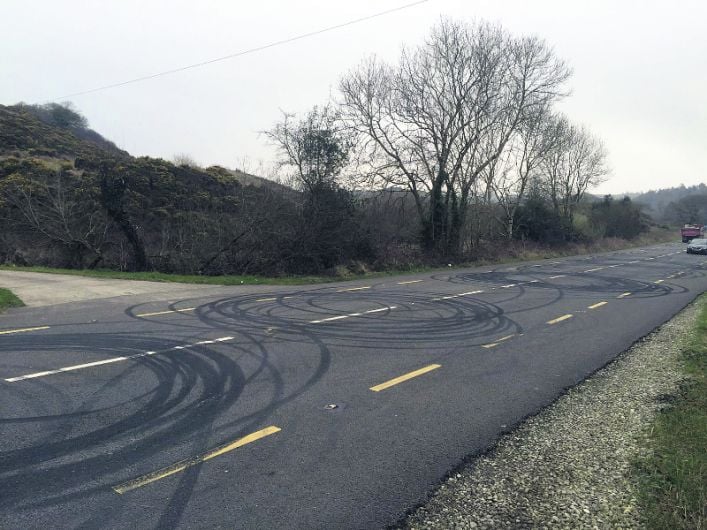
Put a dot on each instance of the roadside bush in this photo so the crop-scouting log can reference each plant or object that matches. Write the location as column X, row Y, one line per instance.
column 623, row 219
column 538, row 221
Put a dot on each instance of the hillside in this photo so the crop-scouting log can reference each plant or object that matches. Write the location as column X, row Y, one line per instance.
column 69, row 197
column 28, row 131
column 247, row 179
column 23, row 134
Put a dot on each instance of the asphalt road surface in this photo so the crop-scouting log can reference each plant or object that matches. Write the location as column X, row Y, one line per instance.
column 336, row 406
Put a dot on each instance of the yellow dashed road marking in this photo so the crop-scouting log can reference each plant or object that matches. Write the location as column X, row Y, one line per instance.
column 410, row 281
column 599, row 304
column 559, row 319
column 623, row 295
column 405, row 377
column 184, row 464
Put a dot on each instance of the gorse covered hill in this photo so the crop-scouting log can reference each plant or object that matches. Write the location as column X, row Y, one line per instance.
column 70, row 198
column 50, row 131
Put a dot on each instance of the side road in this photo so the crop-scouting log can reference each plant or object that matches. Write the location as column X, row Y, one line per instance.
column 569, row 466
column 38, row 289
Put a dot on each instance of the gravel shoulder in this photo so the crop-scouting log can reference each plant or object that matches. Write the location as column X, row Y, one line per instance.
column 569, row 466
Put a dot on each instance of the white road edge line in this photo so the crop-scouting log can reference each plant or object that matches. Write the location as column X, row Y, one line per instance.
column 108, row 361
column 349, row 315
column 354, row 289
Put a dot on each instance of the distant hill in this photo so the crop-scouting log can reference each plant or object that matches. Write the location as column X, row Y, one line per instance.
column 660, row 203
column 246, row 179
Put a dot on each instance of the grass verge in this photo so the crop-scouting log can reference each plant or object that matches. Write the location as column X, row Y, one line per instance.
column 8, row 299
column 177, row 278
column 672, row 478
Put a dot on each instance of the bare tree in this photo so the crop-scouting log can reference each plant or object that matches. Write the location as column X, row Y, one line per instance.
column 520, row 162
column 575, row 162
column 59, row 207
column 436, row 120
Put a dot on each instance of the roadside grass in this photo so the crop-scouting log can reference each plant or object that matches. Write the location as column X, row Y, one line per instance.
column 176, row 278
column 8, row 299
column 500, row 255
column 213, row 280
column 672, row 478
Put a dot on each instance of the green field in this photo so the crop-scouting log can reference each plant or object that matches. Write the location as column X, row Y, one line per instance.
column 673, row 479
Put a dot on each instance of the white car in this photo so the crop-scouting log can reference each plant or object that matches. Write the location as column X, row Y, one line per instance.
column 697, row 246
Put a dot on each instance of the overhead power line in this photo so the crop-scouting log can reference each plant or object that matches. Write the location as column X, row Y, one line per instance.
column 241, row 53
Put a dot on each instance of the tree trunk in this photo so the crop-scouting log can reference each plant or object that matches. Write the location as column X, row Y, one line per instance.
column 112, row 195
column 434, row 231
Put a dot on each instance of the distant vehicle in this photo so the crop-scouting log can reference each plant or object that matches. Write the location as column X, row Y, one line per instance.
column 697, row 246
column 690, row 232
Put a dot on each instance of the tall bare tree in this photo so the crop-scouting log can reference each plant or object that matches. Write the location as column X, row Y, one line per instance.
column 575, row 162
column 520, row 162
column 439, row 117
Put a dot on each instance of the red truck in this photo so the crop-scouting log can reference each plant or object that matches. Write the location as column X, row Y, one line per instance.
column 690, row 232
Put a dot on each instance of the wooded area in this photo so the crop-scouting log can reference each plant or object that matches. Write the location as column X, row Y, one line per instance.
column 456, row 147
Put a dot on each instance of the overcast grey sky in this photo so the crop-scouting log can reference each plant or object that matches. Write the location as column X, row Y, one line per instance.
column 639, row 83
